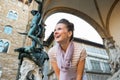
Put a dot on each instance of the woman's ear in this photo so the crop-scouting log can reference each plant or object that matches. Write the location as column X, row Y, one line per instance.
column 70, row 33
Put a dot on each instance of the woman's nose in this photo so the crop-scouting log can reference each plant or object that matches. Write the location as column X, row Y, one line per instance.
column 55, row 32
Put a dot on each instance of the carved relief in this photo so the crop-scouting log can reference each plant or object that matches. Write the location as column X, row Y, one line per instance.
column 114, row 58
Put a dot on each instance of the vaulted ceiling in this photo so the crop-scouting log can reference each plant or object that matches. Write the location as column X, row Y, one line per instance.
column 103, row 15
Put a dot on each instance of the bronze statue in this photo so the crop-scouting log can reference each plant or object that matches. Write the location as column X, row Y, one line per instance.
column 36, row 33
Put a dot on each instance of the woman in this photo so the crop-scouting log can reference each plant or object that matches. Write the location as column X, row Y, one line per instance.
column 67, row 58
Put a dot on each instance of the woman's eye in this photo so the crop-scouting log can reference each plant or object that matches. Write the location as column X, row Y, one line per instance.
column 59, row 28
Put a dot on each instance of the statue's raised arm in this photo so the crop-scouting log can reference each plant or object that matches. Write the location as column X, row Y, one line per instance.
column 32, row 57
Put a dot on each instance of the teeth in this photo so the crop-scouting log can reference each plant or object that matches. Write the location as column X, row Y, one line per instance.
column 57, row 36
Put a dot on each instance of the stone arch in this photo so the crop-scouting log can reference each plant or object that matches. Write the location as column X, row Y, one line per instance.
column 79, row 14
column 109, row 15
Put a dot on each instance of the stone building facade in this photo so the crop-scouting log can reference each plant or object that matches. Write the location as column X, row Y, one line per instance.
column 14, row 16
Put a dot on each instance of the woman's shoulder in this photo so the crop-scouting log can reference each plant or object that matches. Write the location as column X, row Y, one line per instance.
column 79, row 50
column 52, row 50
column 52, row 53
column 78, row 46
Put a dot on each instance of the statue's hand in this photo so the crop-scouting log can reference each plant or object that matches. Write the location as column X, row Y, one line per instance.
column 19, row 49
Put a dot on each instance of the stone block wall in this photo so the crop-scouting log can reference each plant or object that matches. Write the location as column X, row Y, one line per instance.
column 9, row 60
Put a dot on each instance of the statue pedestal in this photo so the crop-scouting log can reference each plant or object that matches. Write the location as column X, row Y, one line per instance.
column 29, row 71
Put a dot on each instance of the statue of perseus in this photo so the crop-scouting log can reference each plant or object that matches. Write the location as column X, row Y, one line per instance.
column 114, row 58
column 32, row 58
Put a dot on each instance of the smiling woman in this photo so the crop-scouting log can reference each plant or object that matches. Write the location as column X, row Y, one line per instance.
column 66, row 57
column 82, row 28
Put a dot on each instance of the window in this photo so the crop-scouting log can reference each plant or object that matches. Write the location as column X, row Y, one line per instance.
column 104, row 52
column 12, row 15
column 90, row 48
column 96, row 66
column 8, row 29
column 96, row 50
column 106, row 67
column 4, row 45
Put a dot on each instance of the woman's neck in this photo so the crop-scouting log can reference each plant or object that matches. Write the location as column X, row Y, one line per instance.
column 64, row 46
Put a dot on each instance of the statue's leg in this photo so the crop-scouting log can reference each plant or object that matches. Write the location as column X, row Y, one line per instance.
column 33, row 44
column 36, row 39
column 32, row 34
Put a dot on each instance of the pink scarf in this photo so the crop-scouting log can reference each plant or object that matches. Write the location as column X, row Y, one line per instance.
column 64, row 59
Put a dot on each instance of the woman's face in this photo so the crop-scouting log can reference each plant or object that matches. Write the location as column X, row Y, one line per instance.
column 61, row 33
